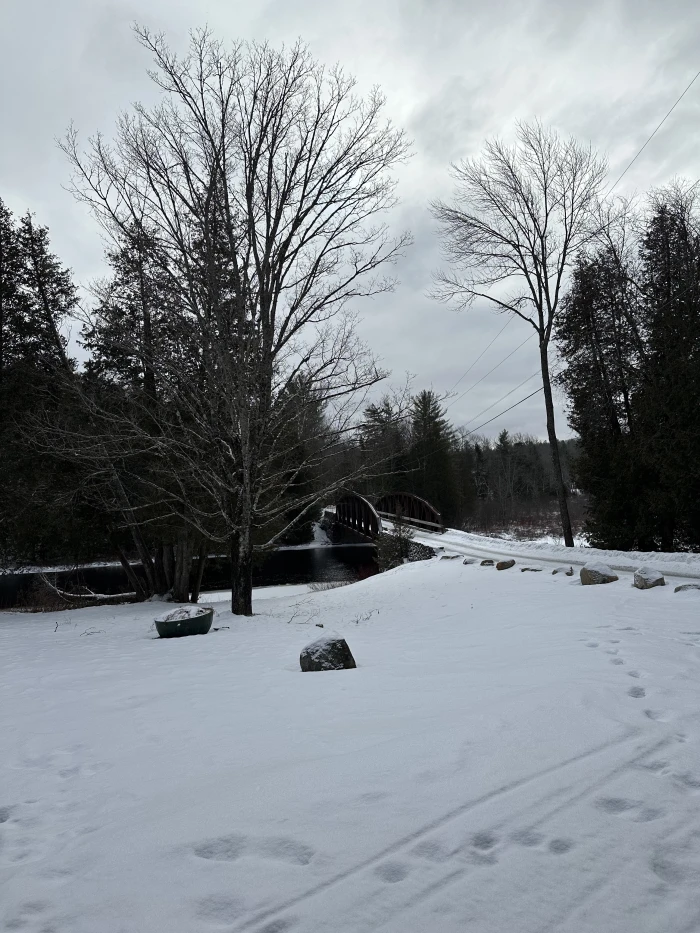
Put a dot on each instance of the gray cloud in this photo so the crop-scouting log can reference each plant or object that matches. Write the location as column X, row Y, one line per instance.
column 454, row 72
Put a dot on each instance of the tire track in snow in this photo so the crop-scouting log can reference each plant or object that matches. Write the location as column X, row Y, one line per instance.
column 268, row 914
column 592, row 888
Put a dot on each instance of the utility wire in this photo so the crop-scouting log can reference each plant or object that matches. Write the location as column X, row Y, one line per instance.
column 536, row 392
column 499, row 400
column 655, row 132
column 480, row 355
column 505, row 358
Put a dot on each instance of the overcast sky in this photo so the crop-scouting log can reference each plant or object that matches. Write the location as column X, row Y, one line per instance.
column 454, row 72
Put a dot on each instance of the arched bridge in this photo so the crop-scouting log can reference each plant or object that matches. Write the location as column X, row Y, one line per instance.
column 357, row 513
column 411, row 509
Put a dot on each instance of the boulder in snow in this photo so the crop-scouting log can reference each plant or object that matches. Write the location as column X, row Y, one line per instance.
column 530, row 570
column 647, row 577
column 327, row 654
column 569, row 571
column 505, row 564
column 595, row 573
column 469, row 560
column 449, row 556
column 487, row 563
column 687, row 586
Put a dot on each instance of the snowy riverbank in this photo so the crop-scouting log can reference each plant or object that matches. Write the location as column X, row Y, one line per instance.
column 513, row 753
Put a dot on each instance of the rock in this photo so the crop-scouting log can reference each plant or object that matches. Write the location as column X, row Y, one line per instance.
column 686, row 586
column 530, row 570
column 569, row 571
column 595, row 573
column 647, row 577
column 505, row 564
column 327, row 654
column 469, row 560
column 449, row 556
column 487, row 563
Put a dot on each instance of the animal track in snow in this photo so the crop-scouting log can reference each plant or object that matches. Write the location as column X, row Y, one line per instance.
column 592, row 644
column 560, row 846
column 648, row 814
column 616, row 804
column 229, row 848
column 634, row 674
column 391, row 872
column 432, row 850
column 616, row 661
column 5, row 814
column 636, row 692
column 687, row 779
column 484, row 841
column 224, row 849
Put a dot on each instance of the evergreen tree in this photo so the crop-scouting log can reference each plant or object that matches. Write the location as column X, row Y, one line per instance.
column 630, row 335
column 44, row 514
column 432, row 475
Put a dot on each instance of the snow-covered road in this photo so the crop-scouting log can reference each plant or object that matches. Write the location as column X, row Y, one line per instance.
column 515, row 753
column 684, row 566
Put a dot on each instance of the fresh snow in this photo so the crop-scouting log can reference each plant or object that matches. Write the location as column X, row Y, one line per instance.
column 182, row 612
column 464, row 542
column 515, row 753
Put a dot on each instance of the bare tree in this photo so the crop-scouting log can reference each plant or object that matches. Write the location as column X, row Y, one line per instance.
column 260, row 179
column 520, row 215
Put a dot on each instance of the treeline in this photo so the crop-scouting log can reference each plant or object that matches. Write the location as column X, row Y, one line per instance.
column 474, row 482
column 629, row 335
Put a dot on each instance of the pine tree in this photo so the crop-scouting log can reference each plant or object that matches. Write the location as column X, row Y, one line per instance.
column 432, row 475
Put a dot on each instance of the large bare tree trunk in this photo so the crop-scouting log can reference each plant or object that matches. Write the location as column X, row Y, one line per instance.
column 554, row 447
column 242, row 573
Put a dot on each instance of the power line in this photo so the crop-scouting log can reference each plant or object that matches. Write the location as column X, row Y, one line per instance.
column 499, row 400
column 536, row 392
column 655, row 132
column 480, row 355
column 505, row 358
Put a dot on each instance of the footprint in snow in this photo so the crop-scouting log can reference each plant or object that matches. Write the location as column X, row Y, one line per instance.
column 484, row 841
column 617, row 661
column 634, row 674
column 560, row 846
column 229, row 848
column 636, row 692
column 391, row 872
column 592, row 644
column 687, row 779
column 432, row 850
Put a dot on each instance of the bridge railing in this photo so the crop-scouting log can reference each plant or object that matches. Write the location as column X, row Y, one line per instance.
column 392, row 516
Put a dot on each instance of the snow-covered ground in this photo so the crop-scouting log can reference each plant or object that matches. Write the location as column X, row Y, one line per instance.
column 514, row 753
column 464, row 542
